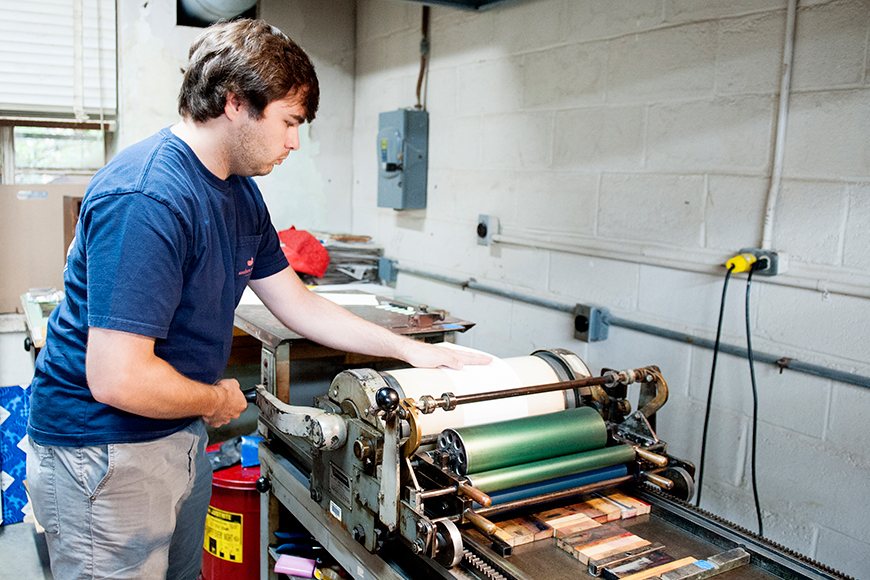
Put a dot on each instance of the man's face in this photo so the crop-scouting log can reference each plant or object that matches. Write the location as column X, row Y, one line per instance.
column 259, row 145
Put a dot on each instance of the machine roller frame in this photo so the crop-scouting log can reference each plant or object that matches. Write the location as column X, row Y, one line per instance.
column 375, row 482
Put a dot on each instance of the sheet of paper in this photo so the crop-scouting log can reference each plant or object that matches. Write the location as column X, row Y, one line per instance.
column 340, row 298
column 495, row 376
column 350, row 299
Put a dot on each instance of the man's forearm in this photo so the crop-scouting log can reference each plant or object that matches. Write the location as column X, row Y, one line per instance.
column 124, row 372
column 328, row 324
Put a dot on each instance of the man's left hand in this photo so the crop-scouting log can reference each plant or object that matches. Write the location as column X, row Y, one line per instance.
column 425, row 355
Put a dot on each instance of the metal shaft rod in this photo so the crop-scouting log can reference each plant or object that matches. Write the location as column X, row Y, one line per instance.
column 530, row 390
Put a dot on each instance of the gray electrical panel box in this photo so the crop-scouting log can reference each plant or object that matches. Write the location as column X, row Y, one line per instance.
column 403, row 159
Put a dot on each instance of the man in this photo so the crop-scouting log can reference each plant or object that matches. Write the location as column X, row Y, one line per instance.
column 171, row 232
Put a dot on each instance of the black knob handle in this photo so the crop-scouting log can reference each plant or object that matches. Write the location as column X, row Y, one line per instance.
column 263, row 484
column 28, row 344
column 387, row 399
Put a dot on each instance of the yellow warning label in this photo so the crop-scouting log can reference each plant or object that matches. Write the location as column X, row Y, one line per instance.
column 223, row 535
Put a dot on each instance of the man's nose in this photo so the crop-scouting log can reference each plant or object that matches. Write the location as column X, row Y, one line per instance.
column 291, row 140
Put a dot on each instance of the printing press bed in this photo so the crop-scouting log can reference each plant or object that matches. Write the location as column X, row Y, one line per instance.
column 392, row 491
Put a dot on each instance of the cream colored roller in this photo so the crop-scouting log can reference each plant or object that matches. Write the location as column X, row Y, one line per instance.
column 500, row 374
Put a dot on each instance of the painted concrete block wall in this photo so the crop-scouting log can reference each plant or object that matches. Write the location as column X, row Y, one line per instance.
column 310, row 190
column 647, row 128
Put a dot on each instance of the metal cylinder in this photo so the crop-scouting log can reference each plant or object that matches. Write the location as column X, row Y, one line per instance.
column 517, row 475
column 492, row 446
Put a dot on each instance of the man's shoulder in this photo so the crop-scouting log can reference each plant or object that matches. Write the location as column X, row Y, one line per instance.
column 158, row 167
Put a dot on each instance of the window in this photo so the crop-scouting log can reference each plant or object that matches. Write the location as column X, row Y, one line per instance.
column 44, row 153
column 57, row 88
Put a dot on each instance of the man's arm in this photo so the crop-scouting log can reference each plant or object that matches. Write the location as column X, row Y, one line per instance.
column 124, row 372
column 326, row 323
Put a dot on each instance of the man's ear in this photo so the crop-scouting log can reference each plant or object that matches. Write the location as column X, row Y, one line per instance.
column 233, row 106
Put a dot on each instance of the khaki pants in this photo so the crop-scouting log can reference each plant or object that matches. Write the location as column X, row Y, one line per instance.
column 123, row 510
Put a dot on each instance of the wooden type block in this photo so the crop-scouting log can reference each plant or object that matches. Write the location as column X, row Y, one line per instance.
column 612, row 512
column 576, row 524
column 555, row 514
column 616, row 546
column 513, row 534
column 638, row 564
column 525, row 530
column 591, row 537
column 625, row 511
column 591, row 512
column 503, row 535
column 641, row 507
column 566, row 520
column 659, row 570
column 541, row 529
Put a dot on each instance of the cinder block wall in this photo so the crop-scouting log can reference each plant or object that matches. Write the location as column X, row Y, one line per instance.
column 645, row 130
column 312, row 188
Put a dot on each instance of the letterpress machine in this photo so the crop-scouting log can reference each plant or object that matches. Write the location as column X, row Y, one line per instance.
column 409, row 473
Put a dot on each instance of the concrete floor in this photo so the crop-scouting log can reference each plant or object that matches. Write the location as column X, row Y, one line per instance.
column 23, row 553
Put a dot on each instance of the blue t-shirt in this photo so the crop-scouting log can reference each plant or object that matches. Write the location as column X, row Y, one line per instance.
column 163, row 248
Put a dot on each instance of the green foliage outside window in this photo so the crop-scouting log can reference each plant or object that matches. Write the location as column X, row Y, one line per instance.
column 42, row 154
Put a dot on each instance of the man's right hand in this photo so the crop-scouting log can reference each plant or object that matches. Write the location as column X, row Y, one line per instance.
column 231, row 403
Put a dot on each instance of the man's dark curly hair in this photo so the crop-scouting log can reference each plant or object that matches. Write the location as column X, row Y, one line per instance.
column 255, row 61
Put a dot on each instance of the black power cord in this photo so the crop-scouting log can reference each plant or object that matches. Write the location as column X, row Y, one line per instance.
column 755, row 266
column 710, row 390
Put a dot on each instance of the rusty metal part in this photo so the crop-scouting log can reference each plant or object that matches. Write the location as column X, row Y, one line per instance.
column 410, row 415
column 652, row 374
column 424, row 319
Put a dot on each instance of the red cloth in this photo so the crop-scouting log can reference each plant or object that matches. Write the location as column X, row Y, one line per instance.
column 304, row 252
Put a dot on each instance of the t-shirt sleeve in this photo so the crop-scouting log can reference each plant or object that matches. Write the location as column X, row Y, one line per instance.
column 270, row 256
column 136, row 248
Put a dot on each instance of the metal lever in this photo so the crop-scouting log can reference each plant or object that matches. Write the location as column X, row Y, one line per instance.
column 321, row 429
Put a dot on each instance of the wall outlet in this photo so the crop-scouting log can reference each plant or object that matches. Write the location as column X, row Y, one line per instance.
column 487, row 226
column 590, row 323
column 777, row 262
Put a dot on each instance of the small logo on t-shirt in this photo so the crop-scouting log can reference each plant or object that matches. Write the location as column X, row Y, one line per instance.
column 249, row 269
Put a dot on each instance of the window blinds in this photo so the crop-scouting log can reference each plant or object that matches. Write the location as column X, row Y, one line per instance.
column 57, row 59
